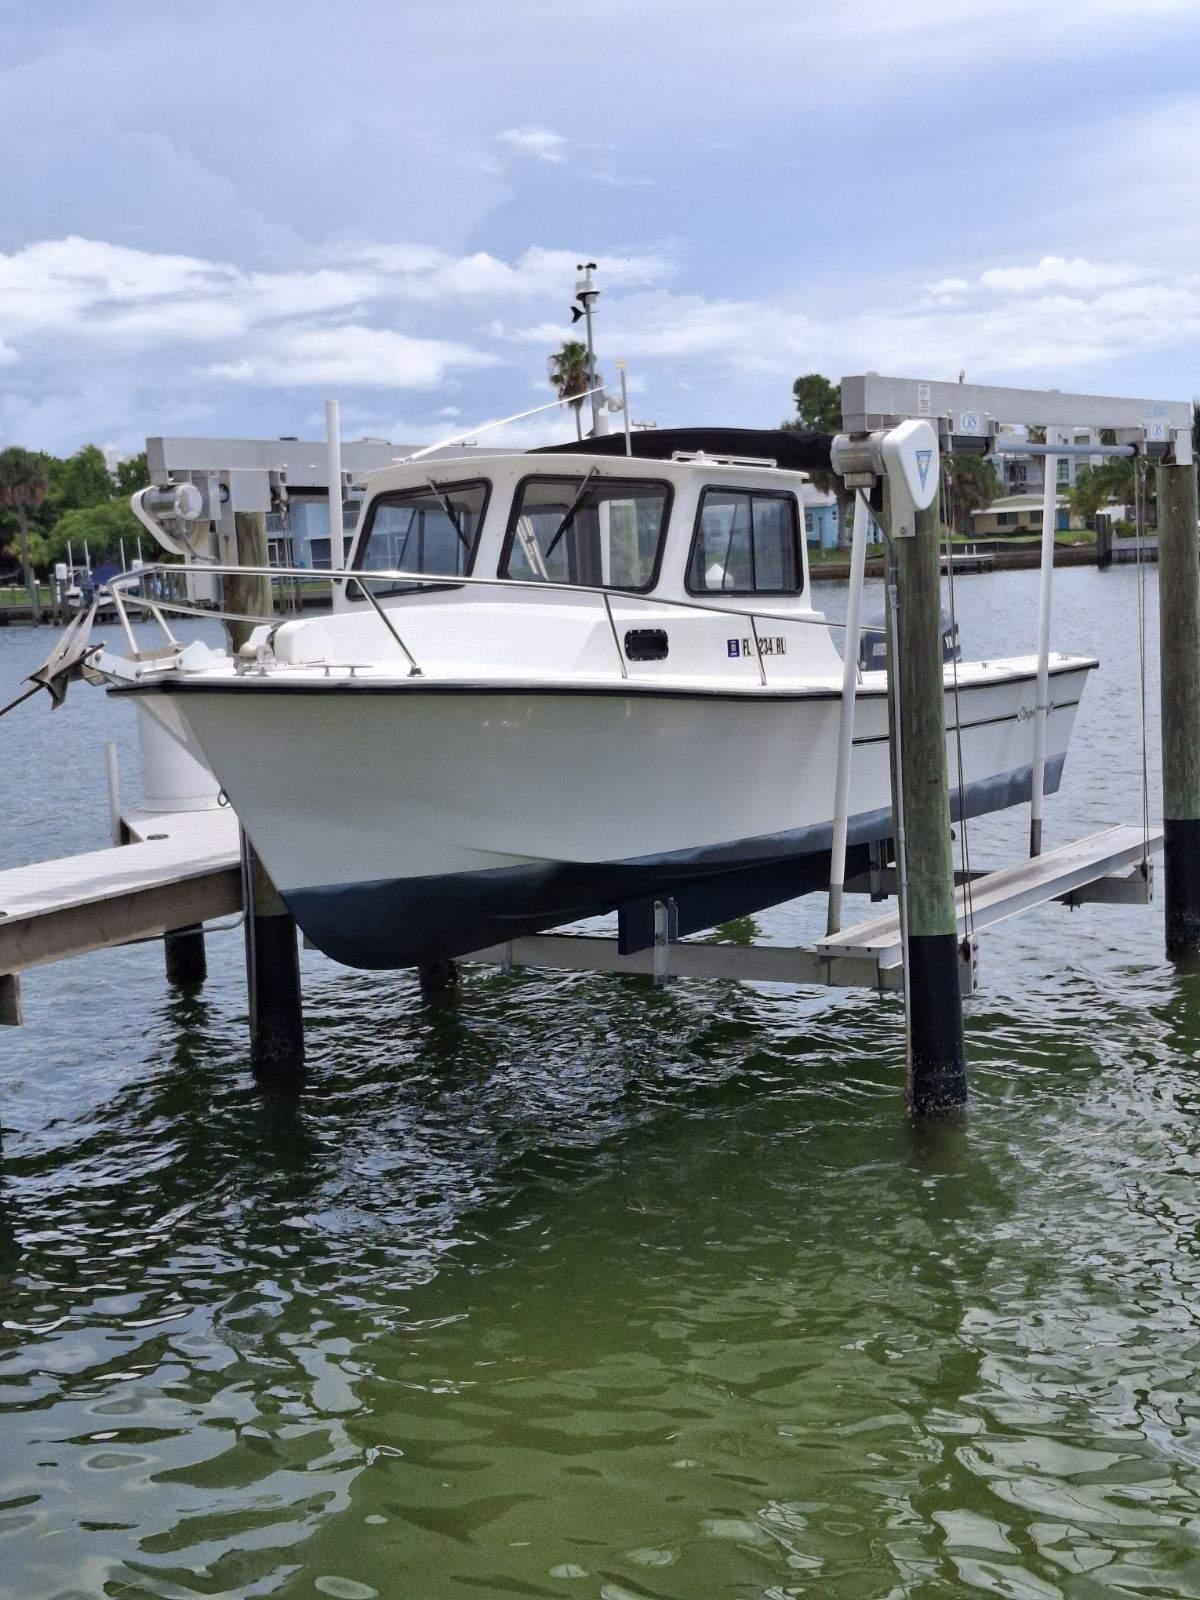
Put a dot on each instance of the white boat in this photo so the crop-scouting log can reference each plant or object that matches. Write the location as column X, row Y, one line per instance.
column 601, row 680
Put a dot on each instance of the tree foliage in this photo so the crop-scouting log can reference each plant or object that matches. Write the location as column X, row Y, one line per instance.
column 73, row 498
column 100, row 527
column 568, row 370
column 23, row 485
column 819, row 409
column 818, row 404
column 23, row 478
column 1114, row 480
column 968, row 483
column 79, row 480
column 133, row 474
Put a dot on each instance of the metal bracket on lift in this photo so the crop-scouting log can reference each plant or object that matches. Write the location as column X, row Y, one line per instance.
column 666, row 933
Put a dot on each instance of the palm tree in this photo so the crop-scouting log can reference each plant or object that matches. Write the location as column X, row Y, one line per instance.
column 568, row 371
column 819, row 409
column 968, row 484
column 23, row 486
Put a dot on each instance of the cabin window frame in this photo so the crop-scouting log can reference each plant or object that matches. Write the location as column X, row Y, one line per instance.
column 575, row 479
column 788, row 495
column 435, row 580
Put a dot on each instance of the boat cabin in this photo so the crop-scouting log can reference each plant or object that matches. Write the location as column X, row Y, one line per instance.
column 692, row 527
column 577, row 562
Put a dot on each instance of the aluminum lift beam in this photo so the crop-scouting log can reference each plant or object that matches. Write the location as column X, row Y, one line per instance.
column 1110, row 867
column 871, row 401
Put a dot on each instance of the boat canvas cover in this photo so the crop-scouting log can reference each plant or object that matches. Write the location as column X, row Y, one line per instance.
column 798, row 451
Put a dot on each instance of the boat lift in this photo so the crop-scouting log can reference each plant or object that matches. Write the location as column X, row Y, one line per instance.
column 1113, row 866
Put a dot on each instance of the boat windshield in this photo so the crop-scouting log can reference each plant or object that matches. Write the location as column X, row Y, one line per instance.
column 431, row 530
column 590, row 530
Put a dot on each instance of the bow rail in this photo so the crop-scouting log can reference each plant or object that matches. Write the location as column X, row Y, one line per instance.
column 158, row 606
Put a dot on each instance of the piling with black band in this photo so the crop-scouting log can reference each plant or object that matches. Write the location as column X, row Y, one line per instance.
column 272, row 972
column 937, row 1073
column 1179, row 652
column 186, row 961
column 936, row 1057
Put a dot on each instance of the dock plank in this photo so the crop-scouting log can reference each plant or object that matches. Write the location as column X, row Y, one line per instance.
column 184, row 869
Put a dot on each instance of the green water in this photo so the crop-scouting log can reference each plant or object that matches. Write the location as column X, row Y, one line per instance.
column 568, row 1287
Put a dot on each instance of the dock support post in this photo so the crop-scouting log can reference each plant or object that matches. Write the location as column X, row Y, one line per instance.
column 1104, row 538
column 272, row 952
column 439, row 977
column 1179, row 657
column 10, row 999
column 272, row 972
column 937, row 1079
column 186, row 961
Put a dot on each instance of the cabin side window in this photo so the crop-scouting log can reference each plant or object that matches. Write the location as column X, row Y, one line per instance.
column 747, row 541
column 589, row 530
column 431, row 531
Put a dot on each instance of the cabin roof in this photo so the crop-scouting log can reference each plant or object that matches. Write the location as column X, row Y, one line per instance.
column 791, row 451
column 510, row 465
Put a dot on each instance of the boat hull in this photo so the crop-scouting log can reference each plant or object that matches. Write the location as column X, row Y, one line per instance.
column 405, row 824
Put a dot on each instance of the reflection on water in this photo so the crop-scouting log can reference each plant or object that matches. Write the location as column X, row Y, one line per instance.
column 565, row 1286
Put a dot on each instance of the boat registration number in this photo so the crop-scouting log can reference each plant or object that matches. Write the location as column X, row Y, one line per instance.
column 774, row 645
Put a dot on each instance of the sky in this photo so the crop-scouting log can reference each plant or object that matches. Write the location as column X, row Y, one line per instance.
column 218, row 215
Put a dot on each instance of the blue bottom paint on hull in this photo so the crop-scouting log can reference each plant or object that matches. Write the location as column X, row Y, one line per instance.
column 402, row 922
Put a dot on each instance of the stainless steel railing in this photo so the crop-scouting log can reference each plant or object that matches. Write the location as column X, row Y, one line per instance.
column 121, row 588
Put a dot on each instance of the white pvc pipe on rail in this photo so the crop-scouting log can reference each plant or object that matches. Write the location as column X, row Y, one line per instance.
column 1042, row 706
column 841, row 784
column 333, row 458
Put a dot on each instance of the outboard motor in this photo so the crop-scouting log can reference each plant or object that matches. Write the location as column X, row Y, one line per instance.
column 872, row 644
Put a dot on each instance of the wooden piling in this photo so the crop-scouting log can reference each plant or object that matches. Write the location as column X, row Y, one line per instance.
column 248, row 592
column 439, row 977
column 272, row 953
column 272, row 972
column 10, row 999
column 936, row 1055
column 186, row 959
column 1179, row 659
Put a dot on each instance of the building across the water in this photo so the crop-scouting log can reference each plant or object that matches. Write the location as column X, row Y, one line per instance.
column 821, row 521
column 1019, row 513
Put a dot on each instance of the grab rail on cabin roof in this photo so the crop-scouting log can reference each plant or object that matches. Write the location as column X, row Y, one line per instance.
column 157, row 606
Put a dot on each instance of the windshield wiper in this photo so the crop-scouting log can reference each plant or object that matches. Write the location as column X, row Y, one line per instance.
column 571, row 510
column 451, row 514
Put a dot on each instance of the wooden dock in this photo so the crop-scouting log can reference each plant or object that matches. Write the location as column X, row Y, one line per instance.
column 180, row 870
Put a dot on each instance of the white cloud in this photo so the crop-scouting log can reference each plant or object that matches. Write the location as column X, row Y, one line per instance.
column 541, row 143
column 93, row 290
column 1055, row 272
column 1057, row 315
column 421, row 274
column 974, row 36
column 103, row 290
column 351, row 355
